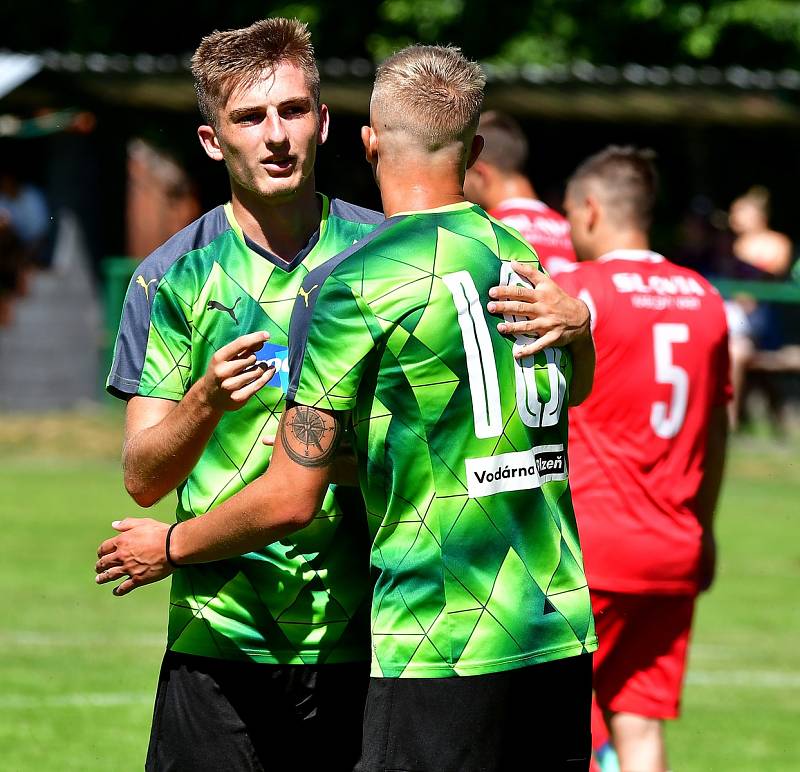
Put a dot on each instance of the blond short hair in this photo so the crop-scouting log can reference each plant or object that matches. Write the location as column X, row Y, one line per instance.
column 431, row 92
column 237, row 58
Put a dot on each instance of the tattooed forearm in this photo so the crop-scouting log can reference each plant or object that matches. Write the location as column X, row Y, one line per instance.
column 310, row 437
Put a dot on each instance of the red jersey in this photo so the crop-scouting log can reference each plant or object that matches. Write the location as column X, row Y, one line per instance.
column 637, row 445
column 542, row 227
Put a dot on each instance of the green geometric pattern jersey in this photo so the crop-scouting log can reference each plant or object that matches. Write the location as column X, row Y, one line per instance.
column 304, row 599
column 462, row 451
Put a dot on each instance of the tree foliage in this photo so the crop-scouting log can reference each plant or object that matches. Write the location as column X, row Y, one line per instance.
column 753, row 33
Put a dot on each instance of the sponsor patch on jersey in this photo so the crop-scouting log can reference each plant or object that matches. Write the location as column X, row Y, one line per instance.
column 516, row 471
column 277, row 357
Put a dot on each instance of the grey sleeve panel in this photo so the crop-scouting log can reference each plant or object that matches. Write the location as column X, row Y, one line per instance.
column 354, row 213
column 134, row 328
column 303, row 311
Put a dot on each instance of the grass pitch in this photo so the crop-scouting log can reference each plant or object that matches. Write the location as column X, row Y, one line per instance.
column 78, row 667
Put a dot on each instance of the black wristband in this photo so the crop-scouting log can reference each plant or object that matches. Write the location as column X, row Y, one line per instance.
column 166, row 546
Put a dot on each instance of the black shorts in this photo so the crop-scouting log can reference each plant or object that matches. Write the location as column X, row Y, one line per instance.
column 532, row 718
column 213, row 714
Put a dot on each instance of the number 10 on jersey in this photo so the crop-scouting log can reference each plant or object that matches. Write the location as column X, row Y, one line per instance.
column 535, row 411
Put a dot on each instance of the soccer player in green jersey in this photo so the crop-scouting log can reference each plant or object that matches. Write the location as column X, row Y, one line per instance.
column 482, row 630
column 271, row 649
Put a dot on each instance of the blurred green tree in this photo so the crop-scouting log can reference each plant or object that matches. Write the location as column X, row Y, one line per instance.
column 754, row 33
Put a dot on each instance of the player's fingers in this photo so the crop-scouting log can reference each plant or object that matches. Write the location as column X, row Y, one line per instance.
column 107, row 547
column 513, row 292
column 243, row 394
column 523, row 327
column 513, row 308
column 268, row 439
column 107, row 561
column 239, row 381
column 250, row 349
column 253, row 341
column 130, row 522
column 529, row 271
column 529, row 349
column 123, row 589
column 110, row 574
column 233, row 367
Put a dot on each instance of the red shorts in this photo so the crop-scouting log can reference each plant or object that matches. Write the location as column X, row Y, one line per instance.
column 642, row 656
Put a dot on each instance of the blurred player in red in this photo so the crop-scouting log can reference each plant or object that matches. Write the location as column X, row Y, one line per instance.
column 646, row 449
column 497, row 182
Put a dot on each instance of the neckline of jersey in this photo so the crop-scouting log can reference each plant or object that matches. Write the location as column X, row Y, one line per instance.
column 637, row 255
column 437, row 210
column 288, row 267
column 523, row 203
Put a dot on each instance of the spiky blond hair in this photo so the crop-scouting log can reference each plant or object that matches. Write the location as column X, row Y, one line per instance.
column 432, row 93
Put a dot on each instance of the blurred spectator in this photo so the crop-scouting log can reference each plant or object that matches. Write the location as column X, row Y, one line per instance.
column 759, row 253
column 496, row 182
column 24, row 227
column 10, row 267
column 26, row 210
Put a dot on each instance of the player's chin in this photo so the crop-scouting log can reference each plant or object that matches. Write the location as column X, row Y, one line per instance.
column 278, row 188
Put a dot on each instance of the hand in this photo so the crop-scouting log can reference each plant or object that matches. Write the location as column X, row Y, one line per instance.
column 708, row 561
column 555, row 317
column 138, row 553
column 232, row 376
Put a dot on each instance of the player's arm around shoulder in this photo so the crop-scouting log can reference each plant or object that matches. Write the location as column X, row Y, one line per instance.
column 553, row 317
column 284, row 499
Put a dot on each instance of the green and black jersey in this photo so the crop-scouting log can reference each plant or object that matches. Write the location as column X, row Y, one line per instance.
column 304, row 599
column 462, row 449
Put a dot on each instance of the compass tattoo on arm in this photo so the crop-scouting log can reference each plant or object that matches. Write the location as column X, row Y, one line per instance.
column 310, row 436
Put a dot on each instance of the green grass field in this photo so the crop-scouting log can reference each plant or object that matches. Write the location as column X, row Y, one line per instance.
column 78, row 667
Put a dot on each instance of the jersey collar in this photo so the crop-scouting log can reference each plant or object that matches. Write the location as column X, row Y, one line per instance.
column 439, row 209
column 637, row 255
column 266, row 254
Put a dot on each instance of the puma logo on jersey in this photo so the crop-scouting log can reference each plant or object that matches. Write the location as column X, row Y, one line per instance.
column 215, row 305
column 302, row 293
column 145, row 285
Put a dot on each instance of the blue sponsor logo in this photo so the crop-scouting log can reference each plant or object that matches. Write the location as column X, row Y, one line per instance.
column 277, row 357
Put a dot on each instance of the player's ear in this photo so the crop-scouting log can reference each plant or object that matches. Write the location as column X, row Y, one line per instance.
column 370, row 142
column 592, row 212
column 210, row 142
column 324, row 124
column 475, row 150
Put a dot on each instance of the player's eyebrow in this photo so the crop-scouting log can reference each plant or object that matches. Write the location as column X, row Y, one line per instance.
column 240, row 111
column 299, row 101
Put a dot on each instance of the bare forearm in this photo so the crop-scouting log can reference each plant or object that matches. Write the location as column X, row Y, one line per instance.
column 583, row 364
column 708, row 495
column 158, row 458
column 256, row 516
column 277, row 503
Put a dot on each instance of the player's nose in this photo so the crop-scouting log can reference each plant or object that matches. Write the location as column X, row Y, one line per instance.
column 274, row 130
